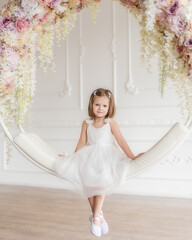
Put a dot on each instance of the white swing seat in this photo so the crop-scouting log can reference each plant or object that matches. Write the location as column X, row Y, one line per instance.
column 45, row 155
column 164, row 148
column 37, row 149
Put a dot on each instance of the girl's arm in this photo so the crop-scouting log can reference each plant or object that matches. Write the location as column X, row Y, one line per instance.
column 83, row 137
column 121, row 141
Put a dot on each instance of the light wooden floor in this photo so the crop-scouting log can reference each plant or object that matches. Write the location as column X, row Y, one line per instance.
column 29, row 213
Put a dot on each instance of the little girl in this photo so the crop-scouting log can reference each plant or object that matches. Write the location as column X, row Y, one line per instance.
column 98, row 166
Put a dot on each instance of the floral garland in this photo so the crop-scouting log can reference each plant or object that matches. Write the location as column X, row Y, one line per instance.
column 166, row 30
column 29, row 26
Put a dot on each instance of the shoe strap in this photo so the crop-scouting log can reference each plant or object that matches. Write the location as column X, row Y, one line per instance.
column 96, row 218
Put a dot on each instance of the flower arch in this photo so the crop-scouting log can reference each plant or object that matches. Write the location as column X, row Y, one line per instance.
column 29, row 26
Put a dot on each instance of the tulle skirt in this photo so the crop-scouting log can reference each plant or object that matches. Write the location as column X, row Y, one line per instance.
column 93, row 169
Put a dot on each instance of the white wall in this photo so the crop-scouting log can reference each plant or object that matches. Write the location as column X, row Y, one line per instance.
column 104, row 55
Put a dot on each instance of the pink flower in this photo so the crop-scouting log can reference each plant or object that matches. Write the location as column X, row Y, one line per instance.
column 128, row 2
column 172, row 10
column 179, row 49
column 44, row 2
column 43, row 19
column 8, row 85
column 162, row 18
column 186, row 57
column 12, row 59
column 171, row 18
column 51, row 16
column 177, row 25
column 22, row 25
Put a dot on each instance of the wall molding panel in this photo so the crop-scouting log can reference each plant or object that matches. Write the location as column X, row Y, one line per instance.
column 82, row 53
column 113, row 50
column 129, row 85
column 67, row 88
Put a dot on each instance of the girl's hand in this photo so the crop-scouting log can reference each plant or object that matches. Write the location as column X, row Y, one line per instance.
column 60, row 155
column 140, row 154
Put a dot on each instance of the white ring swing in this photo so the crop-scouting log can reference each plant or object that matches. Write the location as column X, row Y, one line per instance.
column 43, row 156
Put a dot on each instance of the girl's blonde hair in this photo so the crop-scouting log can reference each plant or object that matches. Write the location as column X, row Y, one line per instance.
column 102, row 92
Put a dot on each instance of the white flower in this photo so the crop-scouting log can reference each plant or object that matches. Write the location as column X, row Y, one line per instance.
column 29, row 5
column 11, row 38
column 60, row 8
column 39, row 10
column 150, row 12
column 32, row 8
column 187, row 11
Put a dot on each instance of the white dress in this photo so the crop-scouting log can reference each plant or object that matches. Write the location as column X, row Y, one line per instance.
column 98, row 168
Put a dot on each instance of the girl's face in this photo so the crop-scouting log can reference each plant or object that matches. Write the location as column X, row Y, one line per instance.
column 100, row 106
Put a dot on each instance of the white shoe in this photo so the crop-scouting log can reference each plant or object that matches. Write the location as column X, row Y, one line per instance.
column 95, row 229
column 104, row 225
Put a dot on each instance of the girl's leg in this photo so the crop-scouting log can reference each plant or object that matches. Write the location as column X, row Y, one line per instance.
column 97, row 206
column 91, row 202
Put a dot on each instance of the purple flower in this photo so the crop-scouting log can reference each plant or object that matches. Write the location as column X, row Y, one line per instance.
column 54, row 3
column 188, row 43
column 7, row 24
column 172, row 10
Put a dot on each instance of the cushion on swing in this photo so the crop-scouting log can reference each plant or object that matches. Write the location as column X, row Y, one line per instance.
column 37, row 149
column 166, row 146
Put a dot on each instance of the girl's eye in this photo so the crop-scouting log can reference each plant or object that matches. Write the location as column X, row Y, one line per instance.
column 98, row 105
